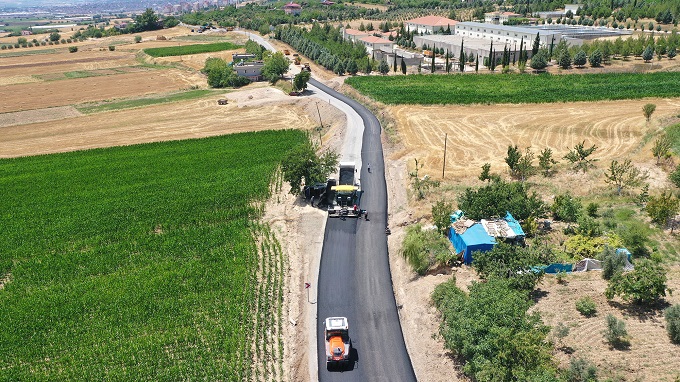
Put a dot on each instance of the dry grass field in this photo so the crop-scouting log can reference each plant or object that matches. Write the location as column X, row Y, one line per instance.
column 480, row 134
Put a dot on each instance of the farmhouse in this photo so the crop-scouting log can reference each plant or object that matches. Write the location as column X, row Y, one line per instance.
column 251, row 70
column 353, row 34
column 377, row 43
column 500, row 18
column 430, row 24
column 292, row 9
column 507, row 35
column 468, row 236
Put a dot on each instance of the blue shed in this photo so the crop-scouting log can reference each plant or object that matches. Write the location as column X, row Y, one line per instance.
column 473, row 239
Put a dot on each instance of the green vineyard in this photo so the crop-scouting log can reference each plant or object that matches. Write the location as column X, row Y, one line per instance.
column 190, row 49
column 515, row 88
column 144, row 262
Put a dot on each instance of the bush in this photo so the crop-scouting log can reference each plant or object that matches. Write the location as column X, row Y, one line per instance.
column 645, row 284
column 586, row 306
column 72, row 49
column 672, row 316
column 425, row 249
column 581, row 370
column 612, row 262
column 511, row 262
column 566, row 208
column 616, row 334
column 138, row 39
column 112, row 47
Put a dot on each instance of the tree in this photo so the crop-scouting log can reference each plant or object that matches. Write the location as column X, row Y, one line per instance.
column 662, row 208
column 339, row 68
column 383, row 68
column 499, row 197
column 461, row 58
column 368, row 68
column 616, row 333
column 220, row 75
column 566, row 208
column 352, row 67
column 648, row 110
column 581, row 370
column 508, row 261
column 580, row 58
column 646, row 284
column 147, row 21
column 486, row 172
column 425, row 249
column 302, row 165
column 421, row 185
column 539, row 61
column 441, row 215
column 72, row 49
column 612, row 262
column 275, row 66
column 300, row 80
column 623, row 175
column 394, row 64
column 403, row 66
column 579, row 157
column 662, row 149
column 564, row 59
column 672, row 316
column 512, row 159
column 648, row 54
column 595, row 58
column 675, row 176
column 54, row 36
column 525, row 167
column 138, row 39
column 546, row 162
column 537, row 45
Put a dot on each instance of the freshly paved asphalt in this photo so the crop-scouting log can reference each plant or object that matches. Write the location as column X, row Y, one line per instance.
column 354, row 275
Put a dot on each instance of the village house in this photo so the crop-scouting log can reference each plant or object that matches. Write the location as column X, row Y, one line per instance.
column 292, row 9
column 500, row 18
column 251, row 70
column 376, row 43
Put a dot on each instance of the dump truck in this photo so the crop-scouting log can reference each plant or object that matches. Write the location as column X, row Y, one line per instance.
column 306, row 67
column 344, row 195
column 338, row 344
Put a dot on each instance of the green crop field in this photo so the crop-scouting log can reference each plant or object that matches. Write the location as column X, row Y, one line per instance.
column 143, row 262
column 190, row 49
column 515, row 88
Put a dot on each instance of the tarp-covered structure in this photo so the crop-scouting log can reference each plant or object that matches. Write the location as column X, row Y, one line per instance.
column 468, row 236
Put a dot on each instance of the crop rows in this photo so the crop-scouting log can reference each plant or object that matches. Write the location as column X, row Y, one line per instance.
column 515, row 88
column 190, row 49
column 142, row 262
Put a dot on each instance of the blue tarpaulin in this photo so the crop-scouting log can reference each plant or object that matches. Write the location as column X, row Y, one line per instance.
column 473, row 239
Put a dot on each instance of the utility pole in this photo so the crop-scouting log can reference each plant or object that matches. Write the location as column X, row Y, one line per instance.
column 446, row 136
column 320, row 122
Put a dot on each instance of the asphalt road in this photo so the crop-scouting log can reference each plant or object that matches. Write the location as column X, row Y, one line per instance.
column 354, row 275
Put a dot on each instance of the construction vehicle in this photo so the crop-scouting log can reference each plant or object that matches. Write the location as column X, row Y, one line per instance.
column 345, row 196
column 286, row 52
column 338, row 344
column 306, row 67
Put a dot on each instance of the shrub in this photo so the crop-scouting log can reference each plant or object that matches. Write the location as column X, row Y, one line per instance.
column 72, row 49
column 645, row 284
column 138, row 39
column 581, row 370
column 425, row 249
column 586, row 306
column 616, row 334
column 672, row 316
column 112, row 47
column 566, row 208
column 612, row 262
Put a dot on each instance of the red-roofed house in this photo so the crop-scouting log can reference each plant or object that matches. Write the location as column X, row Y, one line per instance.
column 353, row 34
column 292, row 9
column 430, row 24
column 500, row 18
column 377, row 43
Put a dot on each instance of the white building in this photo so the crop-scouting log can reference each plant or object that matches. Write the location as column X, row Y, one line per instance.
column 353, row 34
column 430, row 24
column 500, row 18
column 377, row 43
column 506, row 34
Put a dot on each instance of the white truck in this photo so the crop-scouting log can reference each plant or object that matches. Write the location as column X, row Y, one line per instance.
column 338, row 344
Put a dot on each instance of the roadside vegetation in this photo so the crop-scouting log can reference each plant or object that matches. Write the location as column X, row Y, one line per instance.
column 99, row 107
column 471, row 89
column 143, row 262
column 191, row 49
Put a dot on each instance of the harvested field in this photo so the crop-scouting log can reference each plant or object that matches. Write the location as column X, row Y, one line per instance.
column 173, row 121
column 80, row 90
column 651, row 354
column 481, row 134
column 64, row 62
